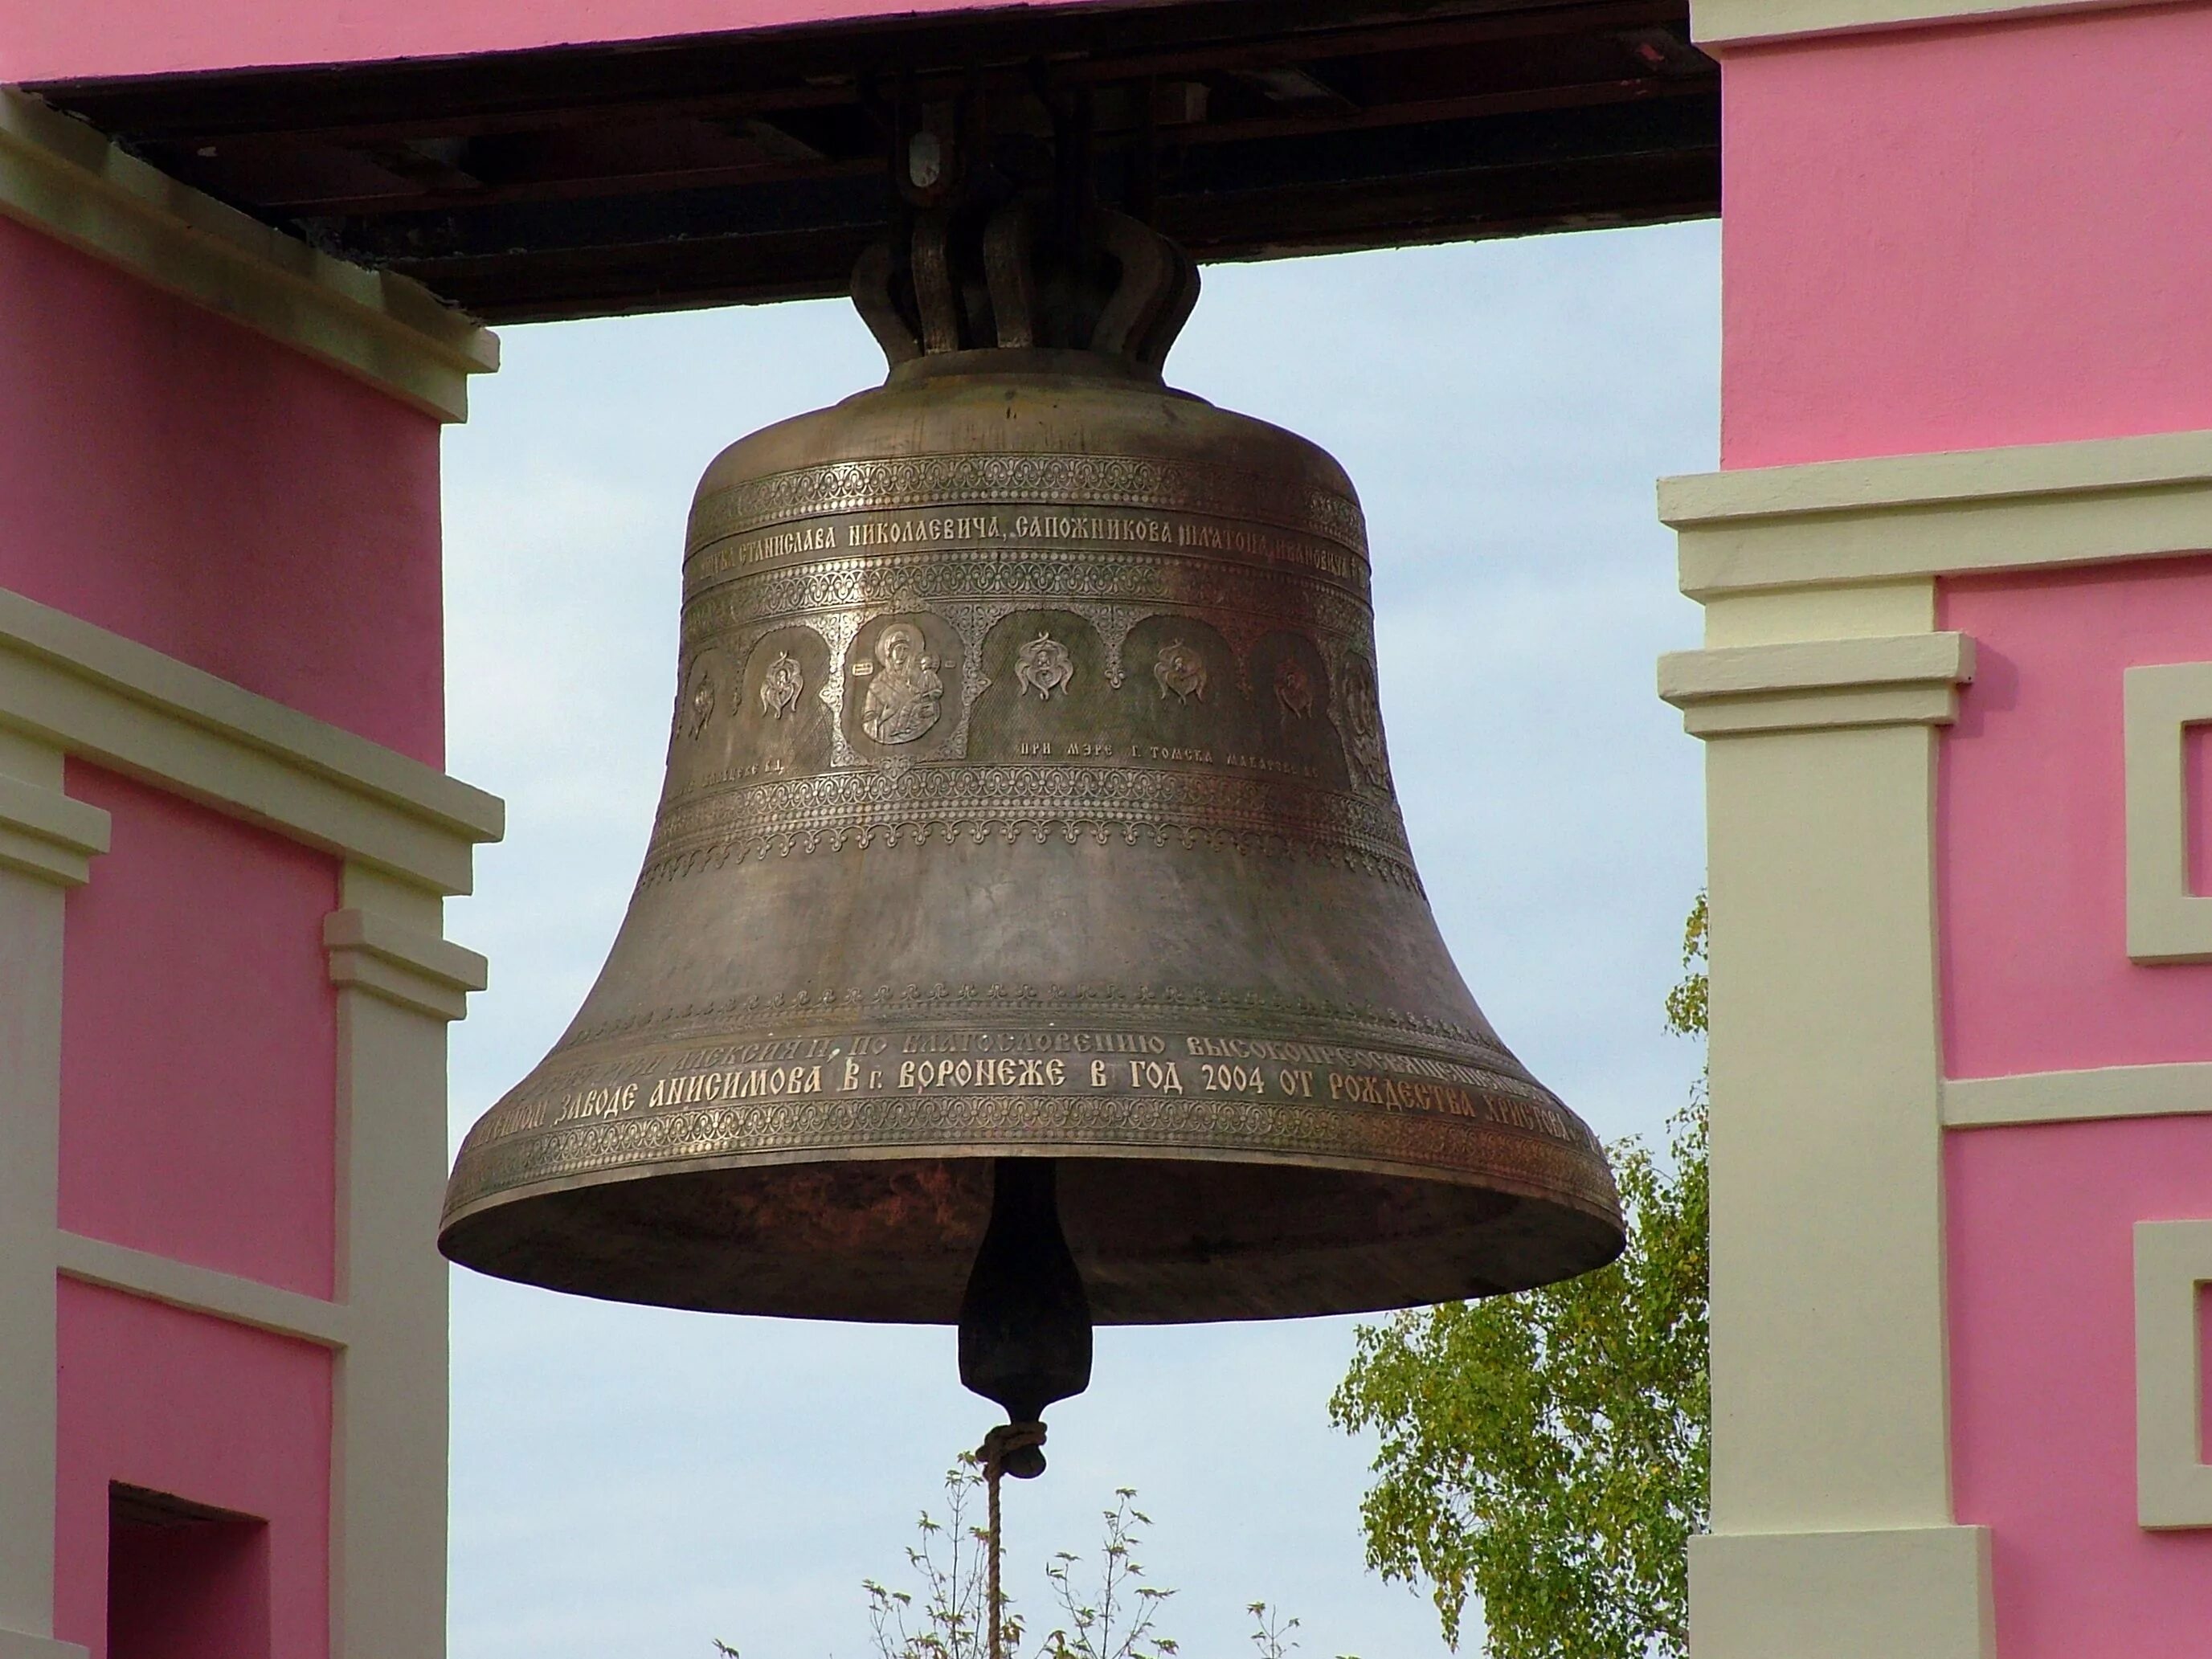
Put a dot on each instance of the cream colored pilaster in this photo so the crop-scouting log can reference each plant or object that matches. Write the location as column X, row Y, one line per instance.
column 46, row 843
column 1833, row 1535
column 1820, row 692
column 399, row 983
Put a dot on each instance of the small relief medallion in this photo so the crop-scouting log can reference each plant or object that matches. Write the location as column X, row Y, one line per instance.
column 1362, row 720
column 1294, row 688
column 1043, row 666
column 781, row 686
column 904, row 689
column 701, row 710
column 1182, row 670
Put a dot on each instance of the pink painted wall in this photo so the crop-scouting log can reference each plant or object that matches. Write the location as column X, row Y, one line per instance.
column 2042, row 1315
column 203, row 1410
column 1975, row 236
column 2033, row 879
column 41, row 40
column 176, row 477
column 1970, row 237
column 199, row 1043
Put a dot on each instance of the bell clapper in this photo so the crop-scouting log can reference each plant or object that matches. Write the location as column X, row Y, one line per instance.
column 1024, row 1319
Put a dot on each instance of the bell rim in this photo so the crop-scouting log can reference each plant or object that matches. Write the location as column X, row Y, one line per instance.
column 1407, row 1169
column 1593, row 1236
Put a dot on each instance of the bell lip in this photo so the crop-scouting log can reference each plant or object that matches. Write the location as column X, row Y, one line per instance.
column 1603, row 1227
column 979, row 1150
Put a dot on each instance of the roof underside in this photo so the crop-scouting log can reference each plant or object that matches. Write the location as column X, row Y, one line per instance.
column 576, row 182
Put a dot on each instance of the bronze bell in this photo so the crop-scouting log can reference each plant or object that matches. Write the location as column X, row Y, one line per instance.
column 1029, row 879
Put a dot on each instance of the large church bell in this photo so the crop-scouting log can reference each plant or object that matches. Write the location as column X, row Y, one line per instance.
column 1028, row 937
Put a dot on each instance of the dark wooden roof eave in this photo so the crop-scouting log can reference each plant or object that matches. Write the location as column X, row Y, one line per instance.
column 575, row 182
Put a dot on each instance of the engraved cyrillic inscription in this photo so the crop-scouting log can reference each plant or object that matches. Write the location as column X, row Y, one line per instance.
column 1153, row 1123
column 1013, row 482
column 937, row 1061
column 735, row 1096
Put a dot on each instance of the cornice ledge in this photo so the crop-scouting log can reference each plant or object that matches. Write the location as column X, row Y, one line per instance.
column 402, row 964
column 131, row 707
column 2182, row 1090
column 201, row 1289
column 1906, row 679
column 21, row 1644
column 1835, row 523
column 44, row 833
column 1748, row 22
column 64, row 178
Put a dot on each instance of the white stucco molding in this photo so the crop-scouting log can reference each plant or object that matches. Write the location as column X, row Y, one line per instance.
column 19, row 1644
column 31, row 907
column 413, row 968
column 1886, row 1594
column 2174, row 1484
column 399, row 987
column 2078, row 1097
column 1744, row 22
column 44, row 833
column 2167, row 921
column 1832, row 523
column 1831, row 1504
column 60, row 177
column 201, row 1289
column 95, row 694
column 1906, row 679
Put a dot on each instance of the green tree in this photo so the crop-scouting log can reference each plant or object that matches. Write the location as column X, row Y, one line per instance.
column 1546, row 1452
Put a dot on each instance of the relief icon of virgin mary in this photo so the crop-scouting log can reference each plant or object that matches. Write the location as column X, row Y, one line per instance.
column 904, row 689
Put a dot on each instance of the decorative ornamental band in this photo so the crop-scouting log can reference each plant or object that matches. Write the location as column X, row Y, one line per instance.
column 1089, row 481
column 945, row 802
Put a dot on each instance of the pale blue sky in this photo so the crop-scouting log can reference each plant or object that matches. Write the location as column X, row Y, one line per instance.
column 635, row 1482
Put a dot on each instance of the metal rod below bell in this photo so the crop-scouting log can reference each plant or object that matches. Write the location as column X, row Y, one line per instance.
column 1024, row 1319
